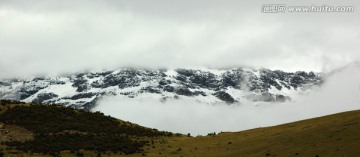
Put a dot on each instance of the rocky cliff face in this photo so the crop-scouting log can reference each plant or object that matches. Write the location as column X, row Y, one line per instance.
column 238, row 85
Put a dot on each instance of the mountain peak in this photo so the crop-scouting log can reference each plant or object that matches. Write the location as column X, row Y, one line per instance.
column 236, row 85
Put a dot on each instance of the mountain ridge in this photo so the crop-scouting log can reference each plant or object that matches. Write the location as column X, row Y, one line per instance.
column 83, row 90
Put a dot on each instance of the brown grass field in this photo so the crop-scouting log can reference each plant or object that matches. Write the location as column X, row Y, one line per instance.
column 330, row 136
column 335, row 135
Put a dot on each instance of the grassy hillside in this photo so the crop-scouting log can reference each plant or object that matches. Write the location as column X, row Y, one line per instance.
column 335, row 135
column 79, row 133
column 50, row 129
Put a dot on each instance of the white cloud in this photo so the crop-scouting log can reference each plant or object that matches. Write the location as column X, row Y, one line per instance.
column 54, row 37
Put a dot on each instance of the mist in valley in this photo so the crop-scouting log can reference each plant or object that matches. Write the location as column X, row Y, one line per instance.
column 340, row 92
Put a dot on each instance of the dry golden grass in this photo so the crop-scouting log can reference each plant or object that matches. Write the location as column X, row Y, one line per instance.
column 14, row 133
column 329, row 136
column 334, row 135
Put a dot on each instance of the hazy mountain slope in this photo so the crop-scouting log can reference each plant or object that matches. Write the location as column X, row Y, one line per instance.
column 205, row 85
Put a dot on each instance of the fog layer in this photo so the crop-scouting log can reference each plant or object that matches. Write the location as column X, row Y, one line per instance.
column 340, row 92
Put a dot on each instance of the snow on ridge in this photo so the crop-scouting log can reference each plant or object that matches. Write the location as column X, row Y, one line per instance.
column 171, row 73
column 231, row 85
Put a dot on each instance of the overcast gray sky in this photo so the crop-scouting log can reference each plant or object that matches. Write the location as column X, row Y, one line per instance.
column 50, row 37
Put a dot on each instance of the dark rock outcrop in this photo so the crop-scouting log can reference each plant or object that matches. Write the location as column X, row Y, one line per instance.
column 225, row 97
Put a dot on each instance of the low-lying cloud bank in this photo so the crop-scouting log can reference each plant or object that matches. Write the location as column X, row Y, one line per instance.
column 55, row 37
column 341, row 92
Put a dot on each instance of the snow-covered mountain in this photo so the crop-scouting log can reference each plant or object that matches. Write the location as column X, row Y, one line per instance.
column 211, row 86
